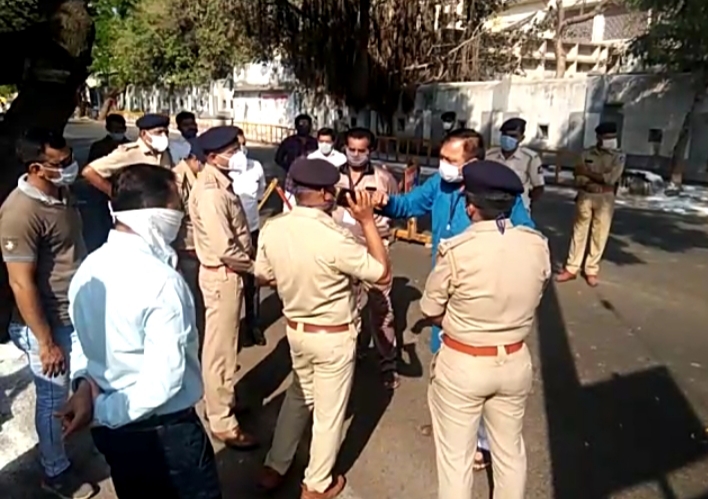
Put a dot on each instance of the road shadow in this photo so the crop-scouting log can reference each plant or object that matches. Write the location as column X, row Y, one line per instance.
column 609, row 436
column 663, row 231
column 11, row 385
column 403, row 295
column 22, row 477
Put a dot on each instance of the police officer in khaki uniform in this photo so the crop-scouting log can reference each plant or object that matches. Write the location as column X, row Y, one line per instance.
column 223, row 245
column 525, row 162
column 483, row 291
column 313, row 276
column 186, row 173
column 360, row 174
column 152, row 148
column 597, row 176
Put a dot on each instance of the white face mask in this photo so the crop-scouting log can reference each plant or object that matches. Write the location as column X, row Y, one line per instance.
column 157, row 226
column 67, row 175
column 159, row 143
column 244, row 150
column 238, row 162
column 117, row 136
column 610, row 144
column 447, row 126
column 449, row 172
column 325, row 147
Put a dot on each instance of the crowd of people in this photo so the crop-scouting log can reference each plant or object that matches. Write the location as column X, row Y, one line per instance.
column 132, row 316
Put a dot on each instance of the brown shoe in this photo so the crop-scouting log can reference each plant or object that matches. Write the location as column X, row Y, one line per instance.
column 335, row 488
column 592, row 280
column 269, row 480
column 237, row 439
column 565, row 276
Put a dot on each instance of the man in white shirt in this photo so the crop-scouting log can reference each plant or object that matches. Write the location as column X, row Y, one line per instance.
column 136, row 374
column 187, row 126
column 325, row 148
column 248, row 183
column 326, row 138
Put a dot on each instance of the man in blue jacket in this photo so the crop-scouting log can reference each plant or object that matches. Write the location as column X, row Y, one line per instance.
column 442, row 197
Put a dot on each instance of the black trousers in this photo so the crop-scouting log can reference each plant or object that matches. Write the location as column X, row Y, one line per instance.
column 166, row 457
column 251, row 293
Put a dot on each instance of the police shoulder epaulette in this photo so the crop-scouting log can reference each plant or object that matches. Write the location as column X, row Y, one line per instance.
column 449, row 244
column 529, row 152
column 129, row 146
column 275, row 218
column 493, row 150
column 529, row 230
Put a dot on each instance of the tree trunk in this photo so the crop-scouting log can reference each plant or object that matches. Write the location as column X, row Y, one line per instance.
column 54, row 56
column 679, row 153
column 109, row 103
column 558, row 41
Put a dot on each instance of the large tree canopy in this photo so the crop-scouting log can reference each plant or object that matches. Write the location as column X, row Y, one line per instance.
column 173, row 43
column 366, row 52
column 677, row 41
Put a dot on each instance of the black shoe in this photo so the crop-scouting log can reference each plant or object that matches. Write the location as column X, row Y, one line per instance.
column 257, row 337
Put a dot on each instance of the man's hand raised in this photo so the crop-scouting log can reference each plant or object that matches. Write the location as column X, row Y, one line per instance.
column 361, row 208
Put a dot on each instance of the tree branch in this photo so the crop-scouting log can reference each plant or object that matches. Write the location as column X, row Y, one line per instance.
column 581, row 18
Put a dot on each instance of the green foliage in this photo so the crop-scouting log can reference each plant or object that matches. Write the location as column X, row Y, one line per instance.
column 174, row 43
column 7, row 90
column 677, row 38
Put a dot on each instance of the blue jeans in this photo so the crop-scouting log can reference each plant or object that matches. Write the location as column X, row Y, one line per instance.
column 51, row 394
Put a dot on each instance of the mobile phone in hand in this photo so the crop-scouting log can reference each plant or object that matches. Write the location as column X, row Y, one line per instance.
column 341, row 198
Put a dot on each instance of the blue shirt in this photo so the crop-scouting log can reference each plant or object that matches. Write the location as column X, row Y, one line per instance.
column 445, row 202
column 135, row 320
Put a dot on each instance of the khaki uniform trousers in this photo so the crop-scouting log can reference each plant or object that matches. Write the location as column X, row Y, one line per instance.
column 380, row 321
column 462, row 389
column 189, row 268
column 323, row 372
column 593, row 216
column 223, row 294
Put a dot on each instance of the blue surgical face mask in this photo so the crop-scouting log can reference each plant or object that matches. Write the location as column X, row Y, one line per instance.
column 508, row 143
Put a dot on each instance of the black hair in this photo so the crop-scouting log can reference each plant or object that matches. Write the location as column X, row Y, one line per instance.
column 117, row 119
column 142, row 186
column 184, row 115
column 33, row 144
column 468, row 136
column 301, row 117
column 492, row 205
column 359, row 133
column 326, row 132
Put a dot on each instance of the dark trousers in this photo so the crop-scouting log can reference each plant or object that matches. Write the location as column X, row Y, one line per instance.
column 251, row 293
column 169, row 457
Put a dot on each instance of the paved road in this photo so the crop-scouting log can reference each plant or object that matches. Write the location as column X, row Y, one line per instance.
column 620, row 399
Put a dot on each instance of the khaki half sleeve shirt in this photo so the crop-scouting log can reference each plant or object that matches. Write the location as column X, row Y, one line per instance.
column 526, row 163
column 220, row 228
column 313, row 262
column 487, row 285
column 185, row 179
column 132, row 153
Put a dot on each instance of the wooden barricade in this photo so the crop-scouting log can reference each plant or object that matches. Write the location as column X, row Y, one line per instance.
column 411, row 177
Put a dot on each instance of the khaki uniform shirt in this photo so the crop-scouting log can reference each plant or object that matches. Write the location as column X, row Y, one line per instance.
column 314, row 261
column 36, row 228
column 488, row 284
column 527, row 165
column 221, row 235
column 104, row 147
column 609, row 164
column 185, row 178
column 132, row 153
column 376, row 177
